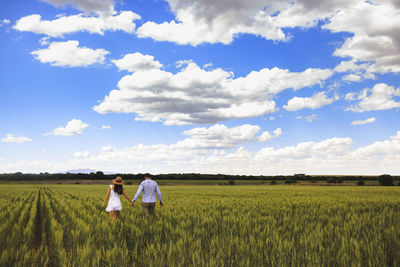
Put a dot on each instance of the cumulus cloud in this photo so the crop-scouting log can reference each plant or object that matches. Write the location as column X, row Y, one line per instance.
column 137, row 62
column 10, row 138
column 103, row 6
column 266, row 136
column 375, row 27
column 362, row 122
column 316, row 101
column 380, row 97
column 357, row 71
column 213, row 21
column 220, row 136
column 380, row 149
column 105, row 127
column 71, row 24
column 199, row 21
column 197, row 96
column 69, row 54
column 327, row 148
column 202, row 142
column 73, row 127
column 329, row 156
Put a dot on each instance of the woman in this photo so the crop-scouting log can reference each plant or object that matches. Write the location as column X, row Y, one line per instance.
column 114, row 192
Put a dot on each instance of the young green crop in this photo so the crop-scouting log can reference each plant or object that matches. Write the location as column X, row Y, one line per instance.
column 63, row 225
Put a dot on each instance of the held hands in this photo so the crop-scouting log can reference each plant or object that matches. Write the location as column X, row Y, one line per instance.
column 132, row 204
column 161, row 204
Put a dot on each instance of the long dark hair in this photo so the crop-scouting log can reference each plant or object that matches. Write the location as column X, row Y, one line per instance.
column 118, row 189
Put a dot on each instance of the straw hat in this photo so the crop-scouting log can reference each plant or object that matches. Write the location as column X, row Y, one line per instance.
column 118, row 180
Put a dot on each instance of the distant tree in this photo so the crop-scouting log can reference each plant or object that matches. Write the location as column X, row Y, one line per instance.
column 231, row 182
column 360, row 182
column 272, row 182
column 99, row 173
column 290, row 180
column 331, row 180
column 300, row 176
column 385, row 180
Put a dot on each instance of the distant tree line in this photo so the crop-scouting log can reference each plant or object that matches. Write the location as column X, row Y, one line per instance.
column 384, row 179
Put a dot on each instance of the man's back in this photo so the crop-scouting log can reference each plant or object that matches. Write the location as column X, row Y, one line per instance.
column 150, row 190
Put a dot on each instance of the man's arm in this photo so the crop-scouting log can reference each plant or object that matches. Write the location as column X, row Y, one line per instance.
column 159, row 195
column 140, row 189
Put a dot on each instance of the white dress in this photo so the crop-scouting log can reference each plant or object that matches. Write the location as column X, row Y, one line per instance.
column 114, row 203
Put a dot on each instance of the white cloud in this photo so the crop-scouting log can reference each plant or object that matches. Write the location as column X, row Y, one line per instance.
column 69, row 54
column 105, row 127
column 81, row 154
column 44, row 40
column 308, row 118
column 266, row 136
column 197, row 96
column 357, row 71
column 369, row 120
column 330, row 156
column 316, row 101
column 10, row 138
column 4, row 22
column 352, row 78
column 206, row 21
column 381, row 149
column 327, row 148
column 220, row 136
column 380, row 97
column 375, row 27
column 76, row 23
column 73, row 127
column 137, row 62
column 103, row 6
column 213, row 21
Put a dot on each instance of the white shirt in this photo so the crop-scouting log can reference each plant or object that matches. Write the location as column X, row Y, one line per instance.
column 149, row 189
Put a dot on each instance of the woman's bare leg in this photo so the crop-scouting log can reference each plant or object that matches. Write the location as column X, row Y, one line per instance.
column 117, row 214
column 112, row 215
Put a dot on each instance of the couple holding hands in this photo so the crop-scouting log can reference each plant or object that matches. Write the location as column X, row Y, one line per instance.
column 148, row 187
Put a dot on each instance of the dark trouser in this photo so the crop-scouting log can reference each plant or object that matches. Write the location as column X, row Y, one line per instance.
column 149, row 207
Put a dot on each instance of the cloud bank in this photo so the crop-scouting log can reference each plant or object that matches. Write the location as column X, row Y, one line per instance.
column 198, row 96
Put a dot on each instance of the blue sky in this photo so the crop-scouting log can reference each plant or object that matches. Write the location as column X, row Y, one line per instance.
column 238, row 87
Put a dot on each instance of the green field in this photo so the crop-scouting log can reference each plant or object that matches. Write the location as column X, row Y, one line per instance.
column 252, row 225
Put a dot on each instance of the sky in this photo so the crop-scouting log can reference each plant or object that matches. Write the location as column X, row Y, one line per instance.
column 200, row 86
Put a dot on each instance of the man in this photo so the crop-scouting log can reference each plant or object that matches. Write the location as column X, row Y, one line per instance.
column 149, row 189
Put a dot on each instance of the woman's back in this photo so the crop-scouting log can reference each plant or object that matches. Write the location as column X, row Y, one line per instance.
column 115, row 201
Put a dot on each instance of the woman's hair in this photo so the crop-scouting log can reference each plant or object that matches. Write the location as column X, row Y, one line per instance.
column 118, row 189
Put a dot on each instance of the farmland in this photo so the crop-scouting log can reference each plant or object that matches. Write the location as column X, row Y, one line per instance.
column 249, row 225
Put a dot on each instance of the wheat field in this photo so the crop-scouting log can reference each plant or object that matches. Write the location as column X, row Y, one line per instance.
column 64, row 225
